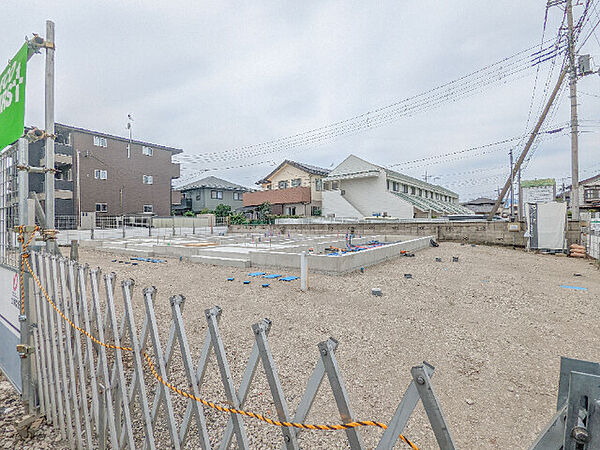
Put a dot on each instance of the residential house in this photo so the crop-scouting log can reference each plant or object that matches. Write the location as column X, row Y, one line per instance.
column 208, row 193
column 293, row 188
column 357, row 188
column 589, row 194
column 108, row 174
column 481, row 205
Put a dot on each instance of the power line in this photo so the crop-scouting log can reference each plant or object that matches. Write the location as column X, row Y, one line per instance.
column 424, row 101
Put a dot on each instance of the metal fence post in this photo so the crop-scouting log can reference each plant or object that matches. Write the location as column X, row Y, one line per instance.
column 162, row 392
column 432, row 407
column 226, row 377
column 339, row 392
column 289, row 435
column 197, row 408
column 127, row 285
column 409, row 401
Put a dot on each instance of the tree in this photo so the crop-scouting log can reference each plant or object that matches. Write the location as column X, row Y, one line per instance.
column 264, row 210
column 238, row 219
column 222, row 210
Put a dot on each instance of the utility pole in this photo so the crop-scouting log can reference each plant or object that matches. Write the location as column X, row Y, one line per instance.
column 520, row 212
column 425, row 177
column 49, row 125
column 512, row 188
column 532, row 137
column 574, row 130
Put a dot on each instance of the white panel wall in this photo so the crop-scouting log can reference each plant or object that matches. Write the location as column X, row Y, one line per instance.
column 335, row 204
column 370, row 196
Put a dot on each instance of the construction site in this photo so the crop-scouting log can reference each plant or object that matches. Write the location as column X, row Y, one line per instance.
column 494, row 321
column 358, row 298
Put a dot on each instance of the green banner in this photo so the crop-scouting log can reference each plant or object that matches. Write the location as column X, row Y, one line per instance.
column 12, row 98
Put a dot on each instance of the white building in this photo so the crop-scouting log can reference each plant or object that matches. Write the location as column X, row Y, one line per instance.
column 357, row 188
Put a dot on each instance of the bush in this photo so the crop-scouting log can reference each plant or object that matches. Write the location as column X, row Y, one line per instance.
column 188, row 214
column 238, row 219
column 222, row 210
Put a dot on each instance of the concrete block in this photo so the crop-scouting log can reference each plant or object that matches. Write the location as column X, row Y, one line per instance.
column 219, row 261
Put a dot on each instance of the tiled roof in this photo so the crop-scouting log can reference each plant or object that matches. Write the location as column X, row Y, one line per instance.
column 300, row 194
column 305, row 167
column 213, row 183
column 437, row 206
column 480, row 201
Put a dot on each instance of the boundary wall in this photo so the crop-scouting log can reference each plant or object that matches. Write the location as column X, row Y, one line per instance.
column 479, row 232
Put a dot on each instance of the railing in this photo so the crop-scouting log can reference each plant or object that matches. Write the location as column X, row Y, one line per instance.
column 65, row 222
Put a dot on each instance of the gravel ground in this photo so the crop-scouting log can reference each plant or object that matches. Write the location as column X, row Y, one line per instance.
column 494, row 324
column 12, row 412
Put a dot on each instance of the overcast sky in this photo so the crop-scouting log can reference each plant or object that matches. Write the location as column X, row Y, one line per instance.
column 212, row 76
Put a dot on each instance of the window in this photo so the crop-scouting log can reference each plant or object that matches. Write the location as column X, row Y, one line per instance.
column 405, row 188
column 148, row 208
column 237, row 195
column 413, row 190
column 63, row 137
column 592, row 194
column 148, row 179
column 99, row 141
column 335, row 185
column 296, row 182
column 100, row 174
column 327, row 186
column 216, row 194
column 319, row 185
column 147, row 151
column 420, row 192
column 198, row 196
column 291, row 210
column 396, row 186
column 388, row 185
column 315, row 211
column 283, row 185
column 437, row 196
column 101, row 207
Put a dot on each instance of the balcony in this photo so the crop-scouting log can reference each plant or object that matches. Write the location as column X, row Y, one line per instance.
column 58, row 159
column 63, row 185
column 299, row 194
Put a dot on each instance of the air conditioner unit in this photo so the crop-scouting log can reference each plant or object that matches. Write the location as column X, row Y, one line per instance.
column 342, row 192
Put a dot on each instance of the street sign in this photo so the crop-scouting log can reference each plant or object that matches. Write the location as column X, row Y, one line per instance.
column 12, row 98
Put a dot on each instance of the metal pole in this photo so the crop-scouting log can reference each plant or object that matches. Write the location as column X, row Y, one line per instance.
column 25, row 318
column 512, row 183
column 122, row 214
column 520, row 195
column 303, row 272
column 574, row 131
column 529, row 142
column 78, row 191
column 49, row 147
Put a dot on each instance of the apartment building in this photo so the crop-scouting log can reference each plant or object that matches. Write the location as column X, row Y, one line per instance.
column 357, row 188
column 293, row 188
column 108, row 174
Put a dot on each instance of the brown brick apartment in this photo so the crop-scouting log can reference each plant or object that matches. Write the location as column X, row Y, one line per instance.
column 107, row 174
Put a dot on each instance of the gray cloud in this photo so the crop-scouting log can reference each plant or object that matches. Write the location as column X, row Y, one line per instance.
column 208, row 77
